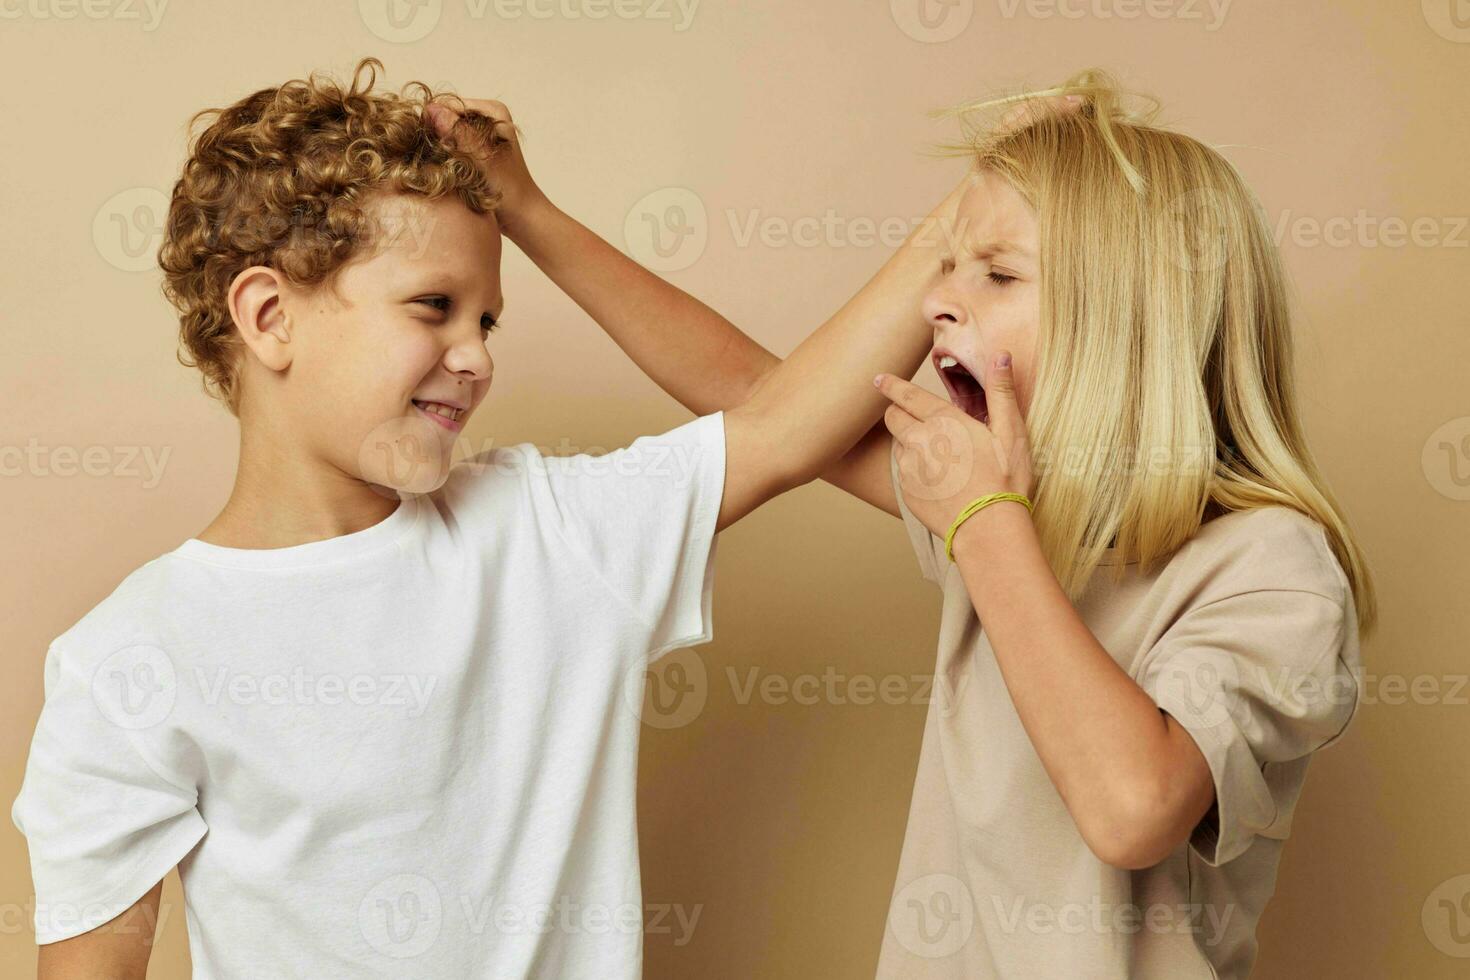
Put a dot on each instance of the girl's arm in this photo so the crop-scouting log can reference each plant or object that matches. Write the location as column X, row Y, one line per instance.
column 688, row 349
column 1131, row 776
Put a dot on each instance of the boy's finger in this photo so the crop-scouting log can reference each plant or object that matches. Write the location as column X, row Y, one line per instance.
column 910, row 397
column 1033, row 110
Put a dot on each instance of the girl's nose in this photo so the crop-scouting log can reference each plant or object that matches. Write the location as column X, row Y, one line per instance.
column 940, row 308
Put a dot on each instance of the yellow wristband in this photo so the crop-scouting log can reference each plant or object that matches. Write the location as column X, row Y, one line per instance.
column 973, row 508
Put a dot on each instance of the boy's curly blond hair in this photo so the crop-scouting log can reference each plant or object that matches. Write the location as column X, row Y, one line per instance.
column 283, row 178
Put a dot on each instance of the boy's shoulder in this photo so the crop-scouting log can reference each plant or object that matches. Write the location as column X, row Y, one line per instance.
column 134, row 614
column 496, row 476
column 521, row 472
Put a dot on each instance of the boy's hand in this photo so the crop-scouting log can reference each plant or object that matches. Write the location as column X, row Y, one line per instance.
column 947, row 459
column 944, row 219
column 1033, row 110
column 487, row 133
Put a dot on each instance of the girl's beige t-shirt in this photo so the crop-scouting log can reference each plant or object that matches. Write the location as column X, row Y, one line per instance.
column 1248, row 637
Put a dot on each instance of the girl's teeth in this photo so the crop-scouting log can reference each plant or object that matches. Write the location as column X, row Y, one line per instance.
column 948, row 362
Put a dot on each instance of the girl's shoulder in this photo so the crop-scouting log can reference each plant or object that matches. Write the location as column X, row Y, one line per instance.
column 1260, row 549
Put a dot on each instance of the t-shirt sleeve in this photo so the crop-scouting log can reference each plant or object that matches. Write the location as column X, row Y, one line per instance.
column 102, row 822
column 1260, row 680
column 933, row 562
column 643, row 519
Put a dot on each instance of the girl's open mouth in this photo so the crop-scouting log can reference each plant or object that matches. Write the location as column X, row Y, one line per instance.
column 964, row 389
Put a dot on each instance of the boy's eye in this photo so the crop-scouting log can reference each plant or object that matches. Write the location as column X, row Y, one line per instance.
column 443, row 303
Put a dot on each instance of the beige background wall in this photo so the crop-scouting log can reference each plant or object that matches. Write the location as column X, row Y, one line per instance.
column 779, row 822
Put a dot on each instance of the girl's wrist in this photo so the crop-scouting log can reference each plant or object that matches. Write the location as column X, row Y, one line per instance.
column 521, row 222
column 993, row 530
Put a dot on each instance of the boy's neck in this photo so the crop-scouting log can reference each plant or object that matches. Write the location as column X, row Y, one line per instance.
column 285, row 499
column 253, row 526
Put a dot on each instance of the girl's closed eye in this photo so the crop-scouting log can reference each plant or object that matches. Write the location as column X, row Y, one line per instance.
column 1000, row 278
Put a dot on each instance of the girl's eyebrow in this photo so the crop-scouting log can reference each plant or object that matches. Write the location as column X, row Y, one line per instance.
column 986, row 250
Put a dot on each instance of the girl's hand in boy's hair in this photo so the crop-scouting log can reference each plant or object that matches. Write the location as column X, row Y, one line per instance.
column 487, row 132
column 946, row 458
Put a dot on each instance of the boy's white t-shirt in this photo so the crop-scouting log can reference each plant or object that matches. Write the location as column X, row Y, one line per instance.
column 407, row 751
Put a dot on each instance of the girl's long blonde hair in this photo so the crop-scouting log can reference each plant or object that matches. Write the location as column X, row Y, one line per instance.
column 1164, row 379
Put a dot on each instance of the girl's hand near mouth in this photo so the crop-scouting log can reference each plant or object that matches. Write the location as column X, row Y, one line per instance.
column 946, row 459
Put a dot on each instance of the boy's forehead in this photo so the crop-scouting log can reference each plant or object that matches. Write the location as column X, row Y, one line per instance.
column 416, row 237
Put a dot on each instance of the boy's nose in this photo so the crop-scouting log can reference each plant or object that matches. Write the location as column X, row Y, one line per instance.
column 470, row 362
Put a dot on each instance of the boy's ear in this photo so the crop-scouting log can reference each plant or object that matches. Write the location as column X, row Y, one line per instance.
column 255, row 303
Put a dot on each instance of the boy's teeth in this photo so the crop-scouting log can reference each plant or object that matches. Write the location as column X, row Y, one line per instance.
column 947, row 362
column 438, row 409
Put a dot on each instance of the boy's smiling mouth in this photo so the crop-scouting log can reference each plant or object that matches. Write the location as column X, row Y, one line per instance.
column 964, row 388
column 448, row 414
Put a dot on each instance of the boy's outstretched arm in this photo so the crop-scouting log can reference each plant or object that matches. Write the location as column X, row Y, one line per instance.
column 688, row 349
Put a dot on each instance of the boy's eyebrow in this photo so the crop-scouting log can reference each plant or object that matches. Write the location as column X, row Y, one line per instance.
column 448, row 282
